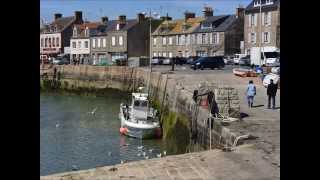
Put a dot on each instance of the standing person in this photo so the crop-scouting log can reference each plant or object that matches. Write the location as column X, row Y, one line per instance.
column 251, row 92
column 271, row 92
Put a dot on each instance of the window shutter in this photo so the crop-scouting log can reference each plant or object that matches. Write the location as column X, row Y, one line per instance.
column 262, row 37
column 177, row 40
column 249, row 37
column 249, row 17
column 269, row 18
column 255, row 19
column 269, row 37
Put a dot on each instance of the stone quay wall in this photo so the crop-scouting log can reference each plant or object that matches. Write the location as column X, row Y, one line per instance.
column 170, row 95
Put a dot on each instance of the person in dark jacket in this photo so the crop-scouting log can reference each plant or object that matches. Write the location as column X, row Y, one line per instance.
column 271, row 92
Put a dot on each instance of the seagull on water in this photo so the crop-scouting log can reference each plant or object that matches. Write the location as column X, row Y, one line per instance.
column 109, row 153
column 150, row 150
column 93, row 112
column 139, row 154
column 159, row 155
column 144, row 154
column 57, row 125
column 140, row 147
column 147, row 157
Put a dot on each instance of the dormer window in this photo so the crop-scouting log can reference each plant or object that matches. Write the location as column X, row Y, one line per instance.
column 75, row 33
column 256, row 3
column 118, row 27
column 206, row 25
column 269, row 2
column 86, row 32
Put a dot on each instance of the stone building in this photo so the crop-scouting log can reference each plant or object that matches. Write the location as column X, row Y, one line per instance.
column 269, row 35
column 122, row 38
column 56, row 36
column 199, row 36
column 80, row 41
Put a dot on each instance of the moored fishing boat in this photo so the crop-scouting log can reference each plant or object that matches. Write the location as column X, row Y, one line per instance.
column 139, row 120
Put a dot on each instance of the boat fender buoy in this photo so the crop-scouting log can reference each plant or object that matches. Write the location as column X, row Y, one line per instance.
column 123, row 130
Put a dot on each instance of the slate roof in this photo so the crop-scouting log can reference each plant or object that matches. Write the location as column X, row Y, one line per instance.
column 176, row 26
column 112, row 26
column 250, row 7
column 58, row 25
column 218, row 23
column 94, row 27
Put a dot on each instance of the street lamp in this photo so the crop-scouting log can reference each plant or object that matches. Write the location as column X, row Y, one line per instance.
column 151, row 15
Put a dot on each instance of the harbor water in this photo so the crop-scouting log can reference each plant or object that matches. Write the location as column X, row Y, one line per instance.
column 74, row 138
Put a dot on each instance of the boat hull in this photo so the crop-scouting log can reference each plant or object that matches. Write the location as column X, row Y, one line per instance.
column 141, row 133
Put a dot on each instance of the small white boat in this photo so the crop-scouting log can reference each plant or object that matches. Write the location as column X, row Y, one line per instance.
column 139, row 120
column 244, row 72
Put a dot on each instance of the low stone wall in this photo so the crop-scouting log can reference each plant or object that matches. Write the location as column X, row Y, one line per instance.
column 174, row 100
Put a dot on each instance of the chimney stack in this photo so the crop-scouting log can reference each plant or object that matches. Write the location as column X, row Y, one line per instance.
column 57, row 16
column 104, row 19
column 207, row 11
column 240, row 12
column 78, row 16
column 166, row 18
column 122, row 19
column 188, row 15
column 140, row 17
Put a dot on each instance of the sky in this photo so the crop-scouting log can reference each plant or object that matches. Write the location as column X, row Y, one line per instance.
column 93, row 10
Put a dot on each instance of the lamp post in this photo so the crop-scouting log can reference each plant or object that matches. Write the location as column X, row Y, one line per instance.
column 260, row 34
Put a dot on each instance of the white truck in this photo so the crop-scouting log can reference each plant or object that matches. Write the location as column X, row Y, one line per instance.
column 269, row 56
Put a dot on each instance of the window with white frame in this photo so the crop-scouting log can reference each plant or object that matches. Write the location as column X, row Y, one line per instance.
column 214, row 38
column 154, row 41
column 252, row 19
column 170, row 40
column 170, row 54
column 203, row 38
column 199, row 39
column 113, row 40
column 154, row 54
column 53, row 42
column 104, row 42
column 265, row 18
column 269, row 18
column 188, row 39
column 49, row 42
column 266, row 37
column 93, row 43
column 57, row 41
column 194, row 39
column 164, row 40
column 164, row 54
column 86, row 44
column 120, row 40
column 74, row 45
column 253, row 38
column 183, row 39
column 41, row 42
column 99, row 42
column 177, row 40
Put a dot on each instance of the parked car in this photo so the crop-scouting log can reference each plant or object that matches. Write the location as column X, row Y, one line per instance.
column 60, row 61
column 237, row 58
column 208, row 62
column 190, row 59
column 157, row 60
column 180, row 60
column 166, row 61
column 229, row 59
column 245, row 61
column 122, row 62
